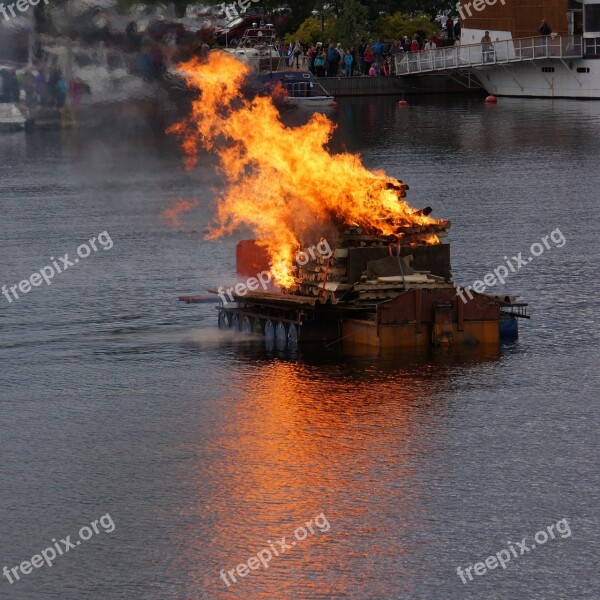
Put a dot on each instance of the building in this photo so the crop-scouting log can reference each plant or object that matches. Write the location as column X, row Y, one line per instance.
column 523, row 17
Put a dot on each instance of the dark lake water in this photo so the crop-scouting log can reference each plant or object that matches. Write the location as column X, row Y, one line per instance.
column 204, row 449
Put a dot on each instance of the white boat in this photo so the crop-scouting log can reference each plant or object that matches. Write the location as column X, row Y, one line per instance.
column 105, row 73
column 540, row 67
column 11, row 118
column 563, row 64
column 257, row 48
column 109, row 89
column 302, row 88
column 311, row 102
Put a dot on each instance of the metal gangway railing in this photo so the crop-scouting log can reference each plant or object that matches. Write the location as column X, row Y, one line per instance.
column 492, row 53
column 306, row 89
column 301, row 89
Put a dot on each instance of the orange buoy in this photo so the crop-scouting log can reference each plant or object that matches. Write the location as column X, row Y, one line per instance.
column 491, row 100
column 403, row 103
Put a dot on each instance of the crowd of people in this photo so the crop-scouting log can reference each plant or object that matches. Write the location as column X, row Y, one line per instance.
column 155, row 49
column 373, row 58
column 46, row 87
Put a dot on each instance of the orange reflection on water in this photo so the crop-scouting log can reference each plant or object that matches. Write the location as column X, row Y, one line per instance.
column 345, row 439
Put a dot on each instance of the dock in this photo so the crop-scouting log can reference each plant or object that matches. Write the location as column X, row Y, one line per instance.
column 395, row 85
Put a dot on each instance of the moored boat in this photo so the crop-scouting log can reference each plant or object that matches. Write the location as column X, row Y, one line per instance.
column 258, row 49
column 387, row 293
column 302, row 89
column 11, row 118
column 562, row 64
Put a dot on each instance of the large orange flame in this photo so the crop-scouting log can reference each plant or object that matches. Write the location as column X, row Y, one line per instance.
column 282, row 182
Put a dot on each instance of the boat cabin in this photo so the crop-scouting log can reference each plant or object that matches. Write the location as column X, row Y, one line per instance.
column 522, row 20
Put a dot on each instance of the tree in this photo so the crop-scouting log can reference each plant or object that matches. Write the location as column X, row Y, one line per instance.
column 352, row 18
column 300, row 9
column 431, row 8
column 311, row 31
column 393, row 26
column 351, row 23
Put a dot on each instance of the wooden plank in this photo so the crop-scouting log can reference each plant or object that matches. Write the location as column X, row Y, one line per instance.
column 271, row 297
column 416, row 278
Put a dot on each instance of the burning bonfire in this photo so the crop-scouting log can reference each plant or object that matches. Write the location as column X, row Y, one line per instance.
column 283, row 183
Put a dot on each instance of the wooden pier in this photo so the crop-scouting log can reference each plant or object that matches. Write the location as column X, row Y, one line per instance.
column 398, row 86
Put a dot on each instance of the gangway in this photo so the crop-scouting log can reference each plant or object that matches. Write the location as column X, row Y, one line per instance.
column 458, row 57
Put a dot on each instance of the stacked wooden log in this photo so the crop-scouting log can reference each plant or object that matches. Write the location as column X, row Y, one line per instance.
column 409, row 234
column 326, row 277
column 385, row 288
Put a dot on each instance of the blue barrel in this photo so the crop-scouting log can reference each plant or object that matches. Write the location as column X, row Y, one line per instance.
column 223, row 320
column 281, row 336
column 269, row 335
column 509, row 328
column 246, row 325
column 293, row 338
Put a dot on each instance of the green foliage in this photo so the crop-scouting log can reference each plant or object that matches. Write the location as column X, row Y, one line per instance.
column 310, row 32
column 393, row 26
column 351, row 24
column 347, row 20
column 432, row 8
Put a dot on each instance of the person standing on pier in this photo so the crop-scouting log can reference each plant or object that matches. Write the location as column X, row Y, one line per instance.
column 298, row 53
column 545, row 29
column 377, row 48
column 457, row 30
column 486, row 47
column 348, row 60
column 369, row 57
column 361, row 56
column 320, row 62
column 333, row 61
column 450, row 29
column 310, row 58
column 341, row 54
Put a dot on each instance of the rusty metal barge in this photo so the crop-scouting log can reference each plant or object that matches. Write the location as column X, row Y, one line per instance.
column 384, row 292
